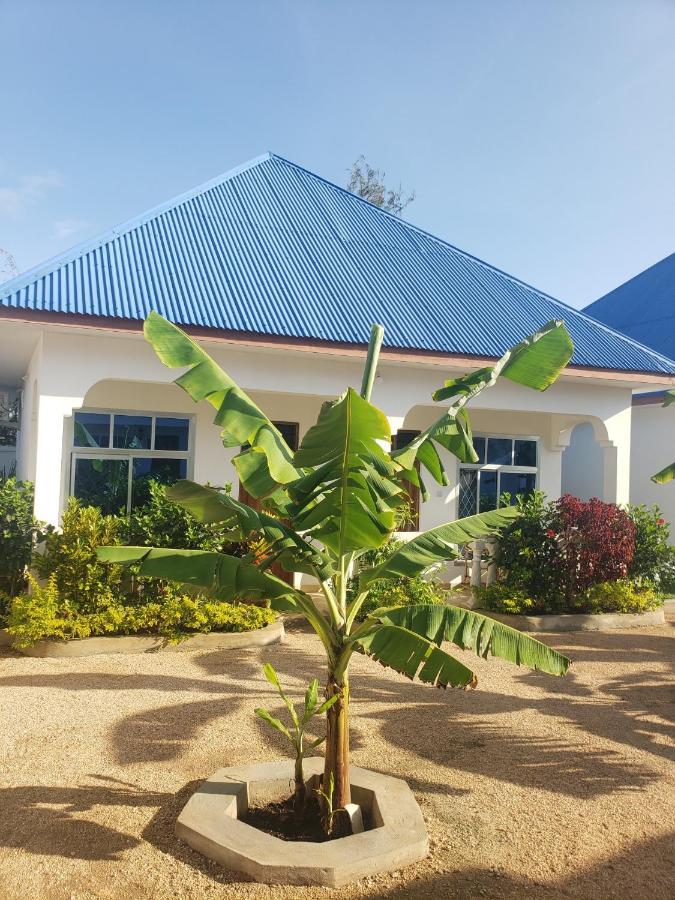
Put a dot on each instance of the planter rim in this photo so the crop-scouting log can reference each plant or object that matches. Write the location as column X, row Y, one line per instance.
column 580, row 621
column 144, row 643
column 209, row 824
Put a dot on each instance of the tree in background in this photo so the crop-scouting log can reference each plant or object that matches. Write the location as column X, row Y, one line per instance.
column 368, row 183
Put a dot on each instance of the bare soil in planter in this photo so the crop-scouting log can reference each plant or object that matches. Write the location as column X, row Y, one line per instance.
column 279, row 820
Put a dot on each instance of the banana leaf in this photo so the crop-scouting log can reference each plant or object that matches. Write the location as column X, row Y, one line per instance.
column 472, row 631
column 267, row 461
column 437, row 544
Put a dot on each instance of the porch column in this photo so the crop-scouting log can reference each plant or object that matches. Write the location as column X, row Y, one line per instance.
column 616, row 459
column 52, row 452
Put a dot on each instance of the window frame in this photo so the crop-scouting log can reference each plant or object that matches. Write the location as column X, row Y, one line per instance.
column 110, row 452
column 509, row 468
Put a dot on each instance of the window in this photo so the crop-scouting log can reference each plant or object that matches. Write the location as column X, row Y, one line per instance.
column 116, row 454
column 505, row 465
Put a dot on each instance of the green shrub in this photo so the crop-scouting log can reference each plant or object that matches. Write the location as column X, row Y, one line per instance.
column 652, row 551
column 160, row 522
column 622, row 596
column 555, row 553
column 70, row 557
column 505, row 599
column 18, row 531
column 529, row 554
column 666, row 582
column 45, row 614
column 401, row 592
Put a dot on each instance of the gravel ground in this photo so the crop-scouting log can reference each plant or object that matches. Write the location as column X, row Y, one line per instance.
column 531, row 786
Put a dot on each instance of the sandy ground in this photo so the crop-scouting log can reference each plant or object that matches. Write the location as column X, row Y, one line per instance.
column 531, row 786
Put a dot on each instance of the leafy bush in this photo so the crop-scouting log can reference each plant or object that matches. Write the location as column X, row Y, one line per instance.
column 529, row 553
column 666, row 581
column 597, row 542
column 504, row 599
column 18, row 531
column 160, row 522
column 652, row 551
column 400, row 592
column 554, row 552
column 621, row 596
column 45, row 614
column 70, row 557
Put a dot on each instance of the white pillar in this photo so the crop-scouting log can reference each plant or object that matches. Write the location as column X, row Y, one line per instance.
column 477, row 547
column 616, row 458
column 52, row 455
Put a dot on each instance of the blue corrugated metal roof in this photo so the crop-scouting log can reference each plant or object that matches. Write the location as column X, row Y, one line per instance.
column 274, row 249
column 643, row 307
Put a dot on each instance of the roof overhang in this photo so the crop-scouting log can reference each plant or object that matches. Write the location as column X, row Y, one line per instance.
column 636, row 381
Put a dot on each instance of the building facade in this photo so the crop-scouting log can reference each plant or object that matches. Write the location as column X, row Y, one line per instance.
column 280, row 275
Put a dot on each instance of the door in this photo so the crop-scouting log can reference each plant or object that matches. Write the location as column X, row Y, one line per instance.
column 290, row 433
column 398, row 441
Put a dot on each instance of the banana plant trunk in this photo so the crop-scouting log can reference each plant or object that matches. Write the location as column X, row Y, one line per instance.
column 300, row 791
column 337, row 823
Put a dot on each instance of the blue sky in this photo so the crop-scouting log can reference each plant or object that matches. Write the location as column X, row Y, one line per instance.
column 538, row 135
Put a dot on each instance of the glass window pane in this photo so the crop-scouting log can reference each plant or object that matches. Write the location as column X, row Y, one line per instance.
column 132, row 432
column 479, row 447
column 515, row 483
column 289, row 432
column 165, row 471
column 499, row 451
column 468, row 490
column 525, row 453
column 402, row 438
column 91, row 430
column 171, row 434
column 103, row 483
column 488, row 491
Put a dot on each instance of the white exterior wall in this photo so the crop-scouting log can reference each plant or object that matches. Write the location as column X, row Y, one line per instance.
column 583, row 468
column 652, row 449
column 71, row 369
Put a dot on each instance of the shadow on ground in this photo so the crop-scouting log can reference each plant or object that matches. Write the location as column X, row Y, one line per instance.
column 611, row 879
column 48, row 820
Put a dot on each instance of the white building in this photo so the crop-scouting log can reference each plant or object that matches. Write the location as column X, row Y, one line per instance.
column 644, row 309
column 280, row 274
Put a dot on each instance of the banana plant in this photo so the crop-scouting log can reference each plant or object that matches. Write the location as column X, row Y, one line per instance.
column 667, row 474
column 334, row 499
column 299, row 724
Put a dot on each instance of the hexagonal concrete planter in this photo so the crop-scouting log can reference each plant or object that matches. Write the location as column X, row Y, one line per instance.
column 209, row 824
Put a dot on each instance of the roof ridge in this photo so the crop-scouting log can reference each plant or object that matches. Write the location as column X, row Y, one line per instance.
column 561, row 303
column 24, row 278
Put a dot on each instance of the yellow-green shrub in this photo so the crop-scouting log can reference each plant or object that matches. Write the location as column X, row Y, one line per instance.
column 45, row 615
column 616, row 596
column 505, row 599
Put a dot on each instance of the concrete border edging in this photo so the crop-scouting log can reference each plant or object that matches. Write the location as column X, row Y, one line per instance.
column 209, row 824
column 580, row 621
column 214, row 640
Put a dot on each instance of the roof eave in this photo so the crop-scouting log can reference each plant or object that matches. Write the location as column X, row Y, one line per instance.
column 636, row 380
